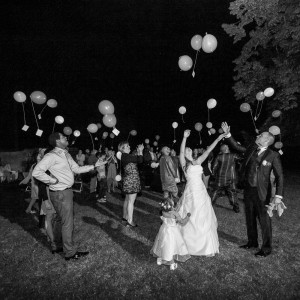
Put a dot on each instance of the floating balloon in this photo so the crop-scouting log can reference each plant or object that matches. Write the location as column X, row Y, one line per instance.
column 157, row 137
column 92, row 128
column 276, row 113
column 147, row 141
column 211, row 103
column 198, row 126
column 19, row 96
column 52, row 103
column 278, row 145
column 119, row 155
column 118, row 178
column 67, row 130
column 133, row 132
column 155, row 143
column 220, row 130
column 185, row 63
column 260, row 96
column 196, row 42
column 76, row 133
column 59, row 119
column 111, row 135
column 209, row 43
column 99, row 125
column 269, row 92
column 245, row 107
column 105, row 134
column 182, row 110
column 106, row 107
column 174, row 125
column 209, row 125
column 109, row 120
column 274, row 130
column 212, row 131
column 38, row 97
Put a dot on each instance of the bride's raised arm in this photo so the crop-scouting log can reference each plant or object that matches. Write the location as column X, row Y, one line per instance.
column 186, row 134
column 203, row 157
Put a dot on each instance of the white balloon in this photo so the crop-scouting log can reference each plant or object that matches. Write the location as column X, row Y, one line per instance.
column 209, row 43
column 76, row 133
column 119, row 155
column 182, row 110
column 59, row 119
column 269, row 92
column 174, row 125
column 118, row 178
column 209, row 125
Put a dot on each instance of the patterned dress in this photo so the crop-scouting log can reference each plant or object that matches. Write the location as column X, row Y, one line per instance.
column 131, row 177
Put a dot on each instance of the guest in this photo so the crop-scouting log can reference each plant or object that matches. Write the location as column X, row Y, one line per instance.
column 101, row 178
column 131, row 179
column 224, row 173
column 169, row 244
column 111, row 171
column 206, row 165
column 259, row 161
column 147, row 170
column 62, row 167
column 92, row 159
column 80, row 158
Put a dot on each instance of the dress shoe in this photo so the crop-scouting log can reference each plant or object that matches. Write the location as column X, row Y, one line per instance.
column 58, row 250
column 262, row 253
column 248, row 246
column 131, row 224
column 77, row 255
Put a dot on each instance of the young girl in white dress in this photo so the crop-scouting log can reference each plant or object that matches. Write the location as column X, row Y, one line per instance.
column 169, row 244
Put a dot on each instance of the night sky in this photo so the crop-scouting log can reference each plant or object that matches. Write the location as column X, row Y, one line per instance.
column 81, row 52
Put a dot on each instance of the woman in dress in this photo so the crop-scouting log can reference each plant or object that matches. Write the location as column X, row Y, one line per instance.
column 200, row 233
column 131, row 179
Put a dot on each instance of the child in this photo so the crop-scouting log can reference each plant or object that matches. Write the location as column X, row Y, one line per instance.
column 101, row 178
column 169, row 244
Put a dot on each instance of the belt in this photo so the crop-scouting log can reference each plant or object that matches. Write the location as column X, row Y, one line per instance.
column 60, row 190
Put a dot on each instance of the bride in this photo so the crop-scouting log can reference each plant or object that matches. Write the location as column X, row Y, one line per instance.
column 200, row 233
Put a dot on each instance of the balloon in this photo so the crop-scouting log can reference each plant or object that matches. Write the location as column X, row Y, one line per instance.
column 260, row 96
column 59, row 119
column 278, row 145
column 196, row 42
column 174, row 125
column 245, row 107
column 274, row 130
column 52, row 103
column 111, row 135
column 269, row 92
column 67, row 130
column 220, row 130
column 209, row 125
column 182, row 110
column 76, row 133
column 19, row 96
column 105, row 134
column 133, row 132
column 276, row 113
column 147, row 141
column 99, row 125
column 211, row 103
column 209, row 43
column 109, row 120
column 185, row 63
column 212, row 131
column 38, row 97
column 157, row 137
column 119, row 155
column 118, row 178
column 92, row 128
column 106, row 107
column 198, row 126
column 155, row 143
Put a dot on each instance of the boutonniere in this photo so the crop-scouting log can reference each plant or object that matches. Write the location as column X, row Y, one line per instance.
column 266, row 163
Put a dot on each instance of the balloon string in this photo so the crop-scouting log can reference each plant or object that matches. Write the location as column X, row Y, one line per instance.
column 53, row 127
column 260, row 110
column 174, row 136
column 200, row 138
column 43, row 109
column 195, row 60
column 92, row 140
column 182, row 119
column 37, row 124
column 24, row 113
column 253, row 119
column 128, row 136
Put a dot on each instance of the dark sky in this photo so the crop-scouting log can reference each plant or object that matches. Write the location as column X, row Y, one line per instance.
column 81, row 52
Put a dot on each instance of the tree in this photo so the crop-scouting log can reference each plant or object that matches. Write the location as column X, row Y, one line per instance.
column 271, row 54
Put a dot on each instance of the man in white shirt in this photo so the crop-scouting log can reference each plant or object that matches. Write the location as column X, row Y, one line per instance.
column 62, row 167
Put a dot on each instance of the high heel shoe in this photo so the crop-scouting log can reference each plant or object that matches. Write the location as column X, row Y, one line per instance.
column 131, row 225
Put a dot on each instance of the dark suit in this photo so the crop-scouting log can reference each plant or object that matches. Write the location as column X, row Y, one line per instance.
column 256, row 170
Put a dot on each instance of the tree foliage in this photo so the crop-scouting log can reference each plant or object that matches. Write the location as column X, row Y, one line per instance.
column 271, row 54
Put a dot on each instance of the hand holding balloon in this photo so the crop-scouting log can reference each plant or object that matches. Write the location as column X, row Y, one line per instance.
column 225, row 128
column 140, row 149
column 186, row 133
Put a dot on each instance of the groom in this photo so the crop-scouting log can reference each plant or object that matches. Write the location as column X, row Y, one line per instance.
column 256, row 169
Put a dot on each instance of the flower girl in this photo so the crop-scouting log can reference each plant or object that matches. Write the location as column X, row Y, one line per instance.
column 169, row 244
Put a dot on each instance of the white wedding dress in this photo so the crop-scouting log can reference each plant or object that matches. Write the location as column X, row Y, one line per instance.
column 200, row 232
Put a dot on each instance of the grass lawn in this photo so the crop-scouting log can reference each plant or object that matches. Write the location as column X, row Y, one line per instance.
column 119, row 264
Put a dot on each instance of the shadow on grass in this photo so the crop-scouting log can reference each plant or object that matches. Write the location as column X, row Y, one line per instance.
column 133, row 246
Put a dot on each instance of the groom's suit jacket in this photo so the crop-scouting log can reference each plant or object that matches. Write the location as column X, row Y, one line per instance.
column 256, row 170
